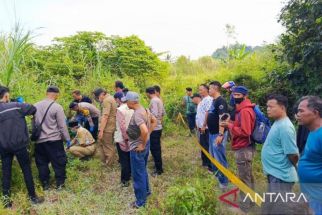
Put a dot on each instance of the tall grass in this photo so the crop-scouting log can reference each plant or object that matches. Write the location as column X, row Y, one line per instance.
column 13, row 48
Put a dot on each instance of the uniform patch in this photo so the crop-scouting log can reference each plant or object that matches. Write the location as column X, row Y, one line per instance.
column 221, row 107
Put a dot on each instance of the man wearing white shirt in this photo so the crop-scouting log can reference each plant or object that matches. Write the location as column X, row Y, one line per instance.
column 201, row 122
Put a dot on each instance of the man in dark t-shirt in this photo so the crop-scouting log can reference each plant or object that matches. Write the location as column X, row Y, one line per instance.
column 217, row 134
column 78, row 97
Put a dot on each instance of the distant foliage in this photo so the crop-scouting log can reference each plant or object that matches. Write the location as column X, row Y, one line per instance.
column 302, row 45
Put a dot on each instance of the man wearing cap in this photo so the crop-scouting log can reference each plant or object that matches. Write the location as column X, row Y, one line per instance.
column 88, row 112
column 241, row 130
column 50, row 145
column 123, row 118
column 229, row 85
column 140, row 127
column 14, row 139
column 83, row 145
column 107, row 125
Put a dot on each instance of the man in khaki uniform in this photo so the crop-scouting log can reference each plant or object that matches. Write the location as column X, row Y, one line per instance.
column 107, row 125
column 83, row 145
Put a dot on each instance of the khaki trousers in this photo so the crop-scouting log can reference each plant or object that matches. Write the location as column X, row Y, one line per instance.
column 81, row 151
column 108, row 148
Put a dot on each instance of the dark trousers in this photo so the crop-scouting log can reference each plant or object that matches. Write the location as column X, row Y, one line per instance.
column 276, row 185
column 24, row 162
column 51, row 152
column 204, row 142
column 125, row 162
column 191, row 118
column 95, row 131
column 155, row 146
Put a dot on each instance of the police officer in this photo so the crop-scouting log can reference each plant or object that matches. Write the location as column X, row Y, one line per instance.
column 14, row 140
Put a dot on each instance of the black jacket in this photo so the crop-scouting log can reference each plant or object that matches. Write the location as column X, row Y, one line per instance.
column 13, row 127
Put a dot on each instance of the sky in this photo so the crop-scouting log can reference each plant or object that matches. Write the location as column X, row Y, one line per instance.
column 192, row 28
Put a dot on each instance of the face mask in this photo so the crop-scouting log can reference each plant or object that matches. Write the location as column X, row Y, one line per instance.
column 73, row 131
column 239, row 100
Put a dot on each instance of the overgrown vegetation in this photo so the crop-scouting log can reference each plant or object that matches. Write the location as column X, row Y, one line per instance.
column 87, row 60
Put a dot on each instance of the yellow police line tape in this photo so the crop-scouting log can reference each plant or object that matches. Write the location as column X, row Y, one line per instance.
column 234, row 179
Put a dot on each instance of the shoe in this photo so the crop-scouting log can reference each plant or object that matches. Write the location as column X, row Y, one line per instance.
column 37, row 200
column 157, row 173
column 85, row 158
column 45, row 186
column 60, row 187
column 125, row 183
column 7, row 202
column 135, row 206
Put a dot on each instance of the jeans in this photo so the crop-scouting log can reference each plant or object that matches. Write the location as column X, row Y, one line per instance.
column 51, row 152
column 191, row 118
column 87, row 126
column 316, row 206
column 204, row 142
column 140, row 176
column 125, row 164
column 276, row 185
column 219, row 153
column 24, row 162
column 155, row 144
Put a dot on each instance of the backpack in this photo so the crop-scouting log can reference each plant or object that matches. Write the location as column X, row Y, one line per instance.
column 262, row 126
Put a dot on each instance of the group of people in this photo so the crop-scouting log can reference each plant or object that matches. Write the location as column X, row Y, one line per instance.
column 215, row 120
column 119, row 123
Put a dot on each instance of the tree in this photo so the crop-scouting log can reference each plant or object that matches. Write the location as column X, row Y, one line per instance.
column 302, row 45
column 130, row 56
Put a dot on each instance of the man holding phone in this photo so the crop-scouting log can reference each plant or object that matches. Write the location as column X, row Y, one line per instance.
column 217, row 136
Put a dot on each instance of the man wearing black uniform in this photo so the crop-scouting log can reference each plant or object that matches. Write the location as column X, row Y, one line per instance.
column 14, row 140
column 217, row 135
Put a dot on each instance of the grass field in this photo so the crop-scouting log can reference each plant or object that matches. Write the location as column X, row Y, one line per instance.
column 94, row 189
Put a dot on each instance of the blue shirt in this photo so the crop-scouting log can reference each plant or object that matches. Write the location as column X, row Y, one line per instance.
column 310, row 166
column 280, row 142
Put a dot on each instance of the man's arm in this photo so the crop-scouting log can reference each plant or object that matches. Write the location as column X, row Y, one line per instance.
column 27, row 109
column 294, row 158
column 61, row 122
column 106, row 111
column 154, row 123
column 144, row 134
column 245, row 128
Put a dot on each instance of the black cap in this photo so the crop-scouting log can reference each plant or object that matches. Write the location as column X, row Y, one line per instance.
column 118, row 95
column 72, row 105
column 72, row 123
column 97, row 92
column 52, row 89
column 196, row 95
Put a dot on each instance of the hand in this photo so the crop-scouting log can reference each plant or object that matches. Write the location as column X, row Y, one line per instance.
column 203, row 129
column 219, row 139
column 68, row 144
column 224, row 124
column 140, row 148
column 91, row 129
column 100, row 135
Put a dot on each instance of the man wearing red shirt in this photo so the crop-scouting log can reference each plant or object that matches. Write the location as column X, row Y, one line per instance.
column 244, row 148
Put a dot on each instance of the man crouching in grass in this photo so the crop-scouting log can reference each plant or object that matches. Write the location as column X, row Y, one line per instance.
column 83, row 145
column 141, row 125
